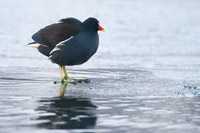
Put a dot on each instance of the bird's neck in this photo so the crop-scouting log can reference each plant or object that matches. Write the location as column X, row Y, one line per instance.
column 84, row 28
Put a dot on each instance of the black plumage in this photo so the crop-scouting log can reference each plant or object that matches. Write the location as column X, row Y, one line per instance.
column 69, row 42
column 79, row 48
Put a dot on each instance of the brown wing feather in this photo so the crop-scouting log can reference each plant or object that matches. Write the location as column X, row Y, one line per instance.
column 53, row 34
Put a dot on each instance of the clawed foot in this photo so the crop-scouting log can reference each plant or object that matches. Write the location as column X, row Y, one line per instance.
column 72, row 81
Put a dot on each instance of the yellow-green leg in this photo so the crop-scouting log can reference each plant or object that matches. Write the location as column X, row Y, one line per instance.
column 62, row 77
column 61, row 72
column 72, row 79
column 66, row 79
column 65, row 72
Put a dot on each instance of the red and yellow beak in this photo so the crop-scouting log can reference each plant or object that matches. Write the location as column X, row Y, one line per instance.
column 100, row 28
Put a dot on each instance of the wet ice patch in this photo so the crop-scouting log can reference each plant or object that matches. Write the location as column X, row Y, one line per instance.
column 188, row 90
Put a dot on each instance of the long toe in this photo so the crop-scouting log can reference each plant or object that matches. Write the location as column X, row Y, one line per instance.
column 72, row 81
column 81, row 80
column 86, row 81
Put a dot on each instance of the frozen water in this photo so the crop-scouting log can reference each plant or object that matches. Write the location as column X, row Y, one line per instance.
column 144, row 76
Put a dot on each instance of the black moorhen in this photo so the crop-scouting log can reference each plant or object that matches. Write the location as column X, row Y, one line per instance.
column 69, row 42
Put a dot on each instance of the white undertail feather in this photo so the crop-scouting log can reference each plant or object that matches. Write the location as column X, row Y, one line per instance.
column 35, row 45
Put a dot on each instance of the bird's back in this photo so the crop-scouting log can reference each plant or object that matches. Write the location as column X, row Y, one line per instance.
column 53, row 34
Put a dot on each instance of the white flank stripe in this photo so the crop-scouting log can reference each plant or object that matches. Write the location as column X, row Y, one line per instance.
column 60, row 43
column 55, row 49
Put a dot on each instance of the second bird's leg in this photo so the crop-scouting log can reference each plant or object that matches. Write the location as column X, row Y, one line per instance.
column 64, row 80
column 65, row 72
column 72, row 79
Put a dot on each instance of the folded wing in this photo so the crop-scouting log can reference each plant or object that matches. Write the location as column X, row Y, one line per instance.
column 53, row 34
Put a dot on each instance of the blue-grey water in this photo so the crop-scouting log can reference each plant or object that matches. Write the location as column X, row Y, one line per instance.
column 145, row 76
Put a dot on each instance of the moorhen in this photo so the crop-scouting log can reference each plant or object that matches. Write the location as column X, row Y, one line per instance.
column 67, row 43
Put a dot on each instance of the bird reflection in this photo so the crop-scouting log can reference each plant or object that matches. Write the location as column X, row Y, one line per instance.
column 66, row 112
column 63, row 89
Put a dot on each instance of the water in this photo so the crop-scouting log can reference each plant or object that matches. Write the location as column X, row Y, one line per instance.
column 144, row 77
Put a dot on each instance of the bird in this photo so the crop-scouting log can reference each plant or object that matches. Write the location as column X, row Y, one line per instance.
column 67, row 43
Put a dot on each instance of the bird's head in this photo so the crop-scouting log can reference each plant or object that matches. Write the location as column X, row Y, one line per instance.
column 92, row 24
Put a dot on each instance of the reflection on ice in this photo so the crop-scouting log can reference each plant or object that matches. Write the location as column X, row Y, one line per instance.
column 66, row 113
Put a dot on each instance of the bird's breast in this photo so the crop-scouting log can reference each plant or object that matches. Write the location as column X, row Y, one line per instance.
column 78, row 50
